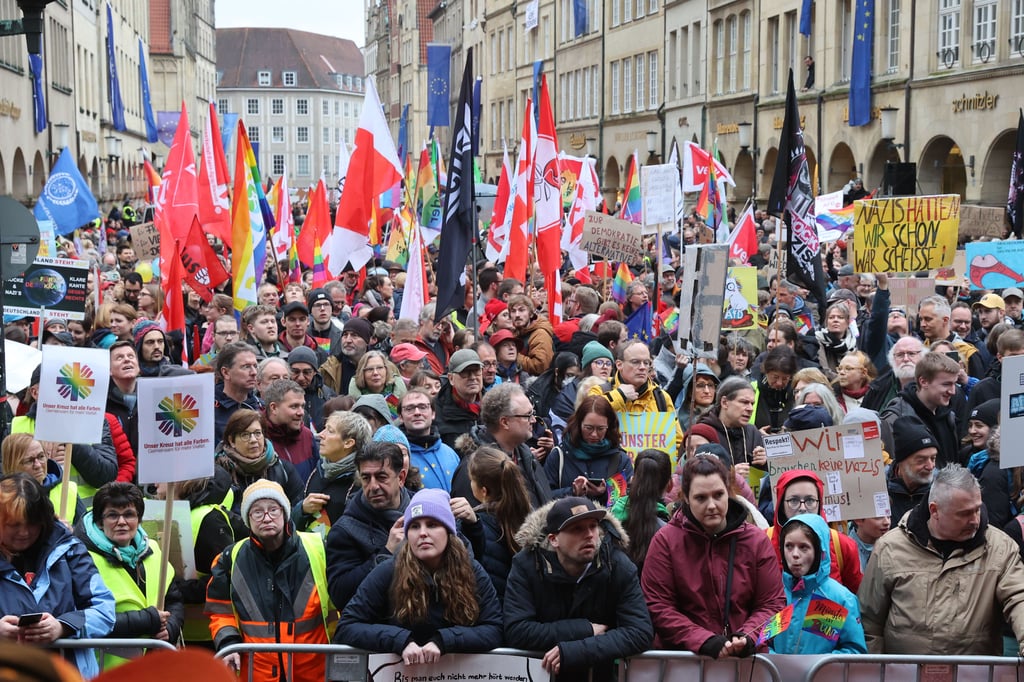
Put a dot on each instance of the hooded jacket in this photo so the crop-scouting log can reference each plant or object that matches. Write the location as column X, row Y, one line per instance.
column 538, row 349
column 436, row 461
column 686, row 573
column 546, row 607
column 942, row 423
column 797, row 638
column 845, row 568
column 914, row 601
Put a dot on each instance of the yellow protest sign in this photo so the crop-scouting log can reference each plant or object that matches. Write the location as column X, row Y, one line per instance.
column 649, row 430
column 740, row 311
column 905, row 234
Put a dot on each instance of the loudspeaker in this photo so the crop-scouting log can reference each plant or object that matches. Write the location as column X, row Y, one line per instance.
column 899, row 179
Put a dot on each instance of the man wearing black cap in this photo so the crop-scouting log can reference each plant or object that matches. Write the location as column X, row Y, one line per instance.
column 295, row 317
column 340, row 368
column 574, row 594
column 303, row 365
column 913, row 465
column 323, row 326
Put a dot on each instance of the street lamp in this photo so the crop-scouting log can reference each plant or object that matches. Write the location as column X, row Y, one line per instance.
column 744, row 130
column 113, row 148
column 652, row 141
column 60, row 133
column 590, row 146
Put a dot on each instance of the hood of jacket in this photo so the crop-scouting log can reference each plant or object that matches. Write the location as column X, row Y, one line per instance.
column 824, row 567
column 532, row 535
column 539, row 323
column 735, row 516
column 467, row 443
column 785, row 479
column 691, row 376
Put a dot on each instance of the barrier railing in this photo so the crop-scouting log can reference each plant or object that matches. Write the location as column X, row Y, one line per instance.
column 110, row 645
column 895, row 668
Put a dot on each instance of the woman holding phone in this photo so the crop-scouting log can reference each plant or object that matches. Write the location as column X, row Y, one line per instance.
column 590, row 454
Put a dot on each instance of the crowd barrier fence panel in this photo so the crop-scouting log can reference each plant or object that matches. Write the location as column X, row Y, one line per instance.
column 902, row 668
column 110, row 645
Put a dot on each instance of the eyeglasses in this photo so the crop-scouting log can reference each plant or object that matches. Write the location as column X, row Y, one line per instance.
column 906, row 354
column 258, row 514
column 532, row 416
column 304, row 372
column 640, row 363
column 589, row 428
column 114, row 517
column 412, row 409
column 704, row 386
column 41, row 457
column 490, row 365
column 797, row 502
column 602, row 362
column 251, row 435
column 227, row 333
column 322, row 304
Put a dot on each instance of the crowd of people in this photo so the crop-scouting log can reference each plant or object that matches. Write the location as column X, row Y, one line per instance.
column 463, row 482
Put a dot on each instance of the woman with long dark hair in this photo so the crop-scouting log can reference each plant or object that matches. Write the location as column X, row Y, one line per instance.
column 430, row 599
column 590, row 454
column 642, row 511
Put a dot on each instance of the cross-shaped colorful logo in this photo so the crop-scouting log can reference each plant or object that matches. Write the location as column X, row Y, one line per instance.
column 178, row 414
column 75, row 381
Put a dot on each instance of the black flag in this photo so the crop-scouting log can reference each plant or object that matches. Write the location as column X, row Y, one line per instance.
column 791, row 199
column 1015, row 200
column 458, row 226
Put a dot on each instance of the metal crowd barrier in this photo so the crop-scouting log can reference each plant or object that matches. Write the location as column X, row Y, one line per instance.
column 896, row 668
column 110, row 645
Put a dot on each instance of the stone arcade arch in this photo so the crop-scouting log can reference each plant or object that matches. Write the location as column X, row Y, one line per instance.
column 941, row 168
column 995, row 170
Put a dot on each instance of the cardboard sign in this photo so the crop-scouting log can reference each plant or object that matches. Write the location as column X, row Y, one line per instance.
column 181, row 554
column 847, row 459
column 995, row 265
column 176, row 425
column 616, row 240
column 740, row 310
column 982, row 221
column 463, row 667
column 56, row 284
column 905, row 234
column 702, row 296
column 658, row 186
column 907, row 292
column 1011, row 411
column 73, row 387
column 145, row 241
column 649, row 431
column 954, row 274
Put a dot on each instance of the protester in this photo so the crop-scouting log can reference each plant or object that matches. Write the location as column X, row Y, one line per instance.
column 24, row 454
column 334, row 478
column 642, row 511
column 590, row 460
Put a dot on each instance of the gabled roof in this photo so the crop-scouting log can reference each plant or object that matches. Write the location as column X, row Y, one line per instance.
column 243, row 52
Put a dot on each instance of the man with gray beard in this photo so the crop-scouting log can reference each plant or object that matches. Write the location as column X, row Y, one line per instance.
column 903, row 358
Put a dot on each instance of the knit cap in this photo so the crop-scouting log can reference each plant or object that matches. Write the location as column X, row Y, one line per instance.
column 432, row 503
column 594, row 350
column 141, row 328
column 391, row 434
column 911, row 436
column 987, row 412
column 302, row 354
column 706, row 431
column 359, row 327
column 264, row 490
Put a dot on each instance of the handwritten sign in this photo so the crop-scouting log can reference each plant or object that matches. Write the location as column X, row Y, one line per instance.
column 825, row 618
column 905, row 234
column 658, row 187
column 614, row 239
column 740, row 310
column 848, row 459
column 145, row 241
column 982, row 221
column 995, row 265
column 455, row 667
column 649, row 431
column 907, row 292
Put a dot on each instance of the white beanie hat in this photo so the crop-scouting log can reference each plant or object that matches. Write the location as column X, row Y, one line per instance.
column 264, row 490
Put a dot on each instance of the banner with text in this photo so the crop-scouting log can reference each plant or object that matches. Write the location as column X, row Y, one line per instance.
column 847, row 459
column 658, row 186
column 616, row 240
column 176, row 420
column 73, row 385
column 145, row 241
column 995, row 265
column 57, row 284
column 649, row 430
column 905, row 234
column 740, row 299
column 457, row 668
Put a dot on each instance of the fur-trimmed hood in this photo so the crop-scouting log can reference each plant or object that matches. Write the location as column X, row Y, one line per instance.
column 532, row 536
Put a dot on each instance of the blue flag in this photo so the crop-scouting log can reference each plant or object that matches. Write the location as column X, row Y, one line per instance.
column 580, row 15
column 229, row 123
column 538, row 66
column 66, row 199
column 805, row 17
column 439, row 64
column 476, row 115
column 147, row 103
column 860, row 67
column 403, row 134
column 639, row 323
column 113, row 86
column 35, row 66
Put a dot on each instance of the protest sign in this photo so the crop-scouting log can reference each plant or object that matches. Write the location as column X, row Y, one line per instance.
column 73, row 385
column 995, row 265
column 702, row 297
column 905, row 234
column 956, row 273
column 145, row 241
column 57, row 284
column 47, row 240
column 176, row 420
column 847, row 459
column 658, row 185
column 1011, row 411
column 907, row 292
column 981, row 221
column 648, row 430
column 740, row 310
column 614, row 239
column 182, row 552
column 455, row 667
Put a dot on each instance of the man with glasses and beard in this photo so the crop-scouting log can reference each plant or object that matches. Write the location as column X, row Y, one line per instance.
column 903, row 358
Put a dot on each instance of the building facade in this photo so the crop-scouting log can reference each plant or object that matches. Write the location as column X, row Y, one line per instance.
column 298, row 94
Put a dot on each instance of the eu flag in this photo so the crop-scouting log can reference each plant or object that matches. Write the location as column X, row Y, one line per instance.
column 639, row 323
column 66, row 199
column 439, row 61
column 805, row 17
column 860, row 68
column 580, row 15
column 147, row 103
column 35, row 67
column 114, row 87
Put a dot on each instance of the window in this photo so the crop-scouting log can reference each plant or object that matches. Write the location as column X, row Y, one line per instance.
column 252, row 107
column 1017, row 29
column 501, row 51
column 277, row 134
column 949, row 33
column 494, row 125
column 652, row 7
column 731, row 30
column 277, row 164
column 302, row 134
column 222, row 105
column 302, row 161
column 627, row 15
column 254, row 133
column 302, row 107
column 615, row 87
column 288, row 78
column 326, row 135
column 572, row 97
column 616, row 7
column 494, row 53
column 263, row 79
column 325, row 107
column 358, row 84
column 984, row 30
column 595, row 77
column 337, row 135
column 640, row 83
column 627, row 84
column 640, row 8
column 892, row 61
column 745, row 40
column 337, row 109
column 277, row 106
column 652, row 69
column 587, row 75
column 773, row 54
column 719, row 57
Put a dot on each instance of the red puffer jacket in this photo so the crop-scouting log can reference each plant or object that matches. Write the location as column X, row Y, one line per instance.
column 123, row 449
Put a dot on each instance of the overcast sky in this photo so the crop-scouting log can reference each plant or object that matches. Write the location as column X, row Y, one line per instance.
column 341, row 18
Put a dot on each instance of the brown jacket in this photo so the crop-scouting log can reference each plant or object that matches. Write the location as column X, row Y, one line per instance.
column 538, row 349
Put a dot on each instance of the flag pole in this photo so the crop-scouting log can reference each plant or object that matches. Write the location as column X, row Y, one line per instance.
column 472, row 254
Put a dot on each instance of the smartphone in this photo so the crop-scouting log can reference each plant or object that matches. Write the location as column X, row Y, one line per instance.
column 595, row 481
column 29, row 619
column 953, row 355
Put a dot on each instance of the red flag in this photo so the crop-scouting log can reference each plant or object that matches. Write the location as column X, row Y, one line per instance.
column 174, row 302
column 548, row 202
column 201, row 268
column 177, row 202
column 214, row 206
column 743, row 240
column 316, row 226
column 519, row 230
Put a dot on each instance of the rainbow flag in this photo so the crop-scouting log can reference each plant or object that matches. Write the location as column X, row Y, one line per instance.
column 152, row 180
column 776, row 625
column 839, row 220
column 825, row 618
column 620, row 285
column 632, row 209
column 617, row 488
column 670, row 325
column 246, row 222
column 398, row 241
column 265, row 221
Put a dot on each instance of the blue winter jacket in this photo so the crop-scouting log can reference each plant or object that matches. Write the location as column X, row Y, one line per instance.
column 437, row 462
column 797, row 640
column 66, row 585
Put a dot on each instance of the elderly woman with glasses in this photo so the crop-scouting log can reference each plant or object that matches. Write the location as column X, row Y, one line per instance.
column 376, row 374
column 23, row 453
column 590, row 462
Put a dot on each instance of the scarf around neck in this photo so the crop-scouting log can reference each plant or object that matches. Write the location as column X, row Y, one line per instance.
column 333, row 470
column 233, row 460
column 129, row 555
